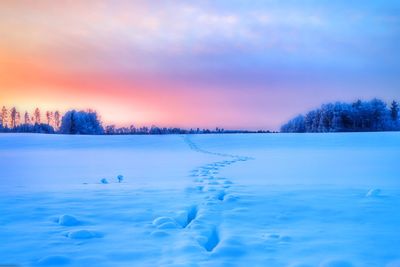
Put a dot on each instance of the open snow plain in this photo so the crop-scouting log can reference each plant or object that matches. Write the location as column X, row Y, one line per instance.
column 329, row 200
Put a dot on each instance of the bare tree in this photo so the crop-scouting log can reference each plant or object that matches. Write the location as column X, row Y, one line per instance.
column 13, row 115
column 4, row 116
column 49, row 117
column 37, row 116
column 27, row 119
column 18, row 119
column 57, row 119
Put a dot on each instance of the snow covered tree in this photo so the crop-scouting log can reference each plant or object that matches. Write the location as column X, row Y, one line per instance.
column 81, row 122
column 110, row 129
column 394, row 116
column 394, row 111
column 379, row 117
column 296, row 125
column 359, row 116
column 155, row 130
column 309, row 121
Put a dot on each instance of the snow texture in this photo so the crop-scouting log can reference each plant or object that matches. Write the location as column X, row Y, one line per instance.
column 320, row 200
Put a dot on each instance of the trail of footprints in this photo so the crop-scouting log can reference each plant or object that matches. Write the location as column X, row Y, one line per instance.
column 202, row 219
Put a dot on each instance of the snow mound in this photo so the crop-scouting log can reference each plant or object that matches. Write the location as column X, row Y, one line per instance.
column 165, row 223
column 84, row 234
column 162, row 220
column 168, row 225
column 68, row 220
column 159, row 234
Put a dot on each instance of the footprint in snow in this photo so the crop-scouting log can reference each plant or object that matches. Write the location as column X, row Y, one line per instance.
column 209, row 238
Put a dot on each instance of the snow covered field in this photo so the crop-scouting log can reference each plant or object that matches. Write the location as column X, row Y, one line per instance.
column 200, row 200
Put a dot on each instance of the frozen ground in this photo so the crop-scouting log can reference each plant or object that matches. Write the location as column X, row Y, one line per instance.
column 205, row 200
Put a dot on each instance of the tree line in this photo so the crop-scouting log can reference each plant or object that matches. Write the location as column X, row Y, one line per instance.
column 359, row 116
column 11, row 120
column 155, row 130
column 84, row 122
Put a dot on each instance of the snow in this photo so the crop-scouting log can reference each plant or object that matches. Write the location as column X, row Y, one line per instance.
column 67, row 220
column 200, row 200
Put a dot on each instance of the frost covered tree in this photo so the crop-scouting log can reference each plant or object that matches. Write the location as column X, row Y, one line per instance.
column 380, row 115
column 110, row 129
column 359, row 116
column 394, row 115
column 296, row 125
column 81, row 122
column 394, row 111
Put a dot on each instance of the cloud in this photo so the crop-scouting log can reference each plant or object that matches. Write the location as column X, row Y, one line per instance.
column 280, row 48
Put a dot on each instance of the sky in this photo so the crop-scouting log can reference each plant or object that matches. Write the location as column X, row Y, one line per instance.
column 234, row 64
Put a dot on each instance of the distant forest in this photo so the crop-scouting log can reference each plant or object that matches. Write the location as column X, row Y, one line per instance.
column 360, row 116
column 84, row 122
